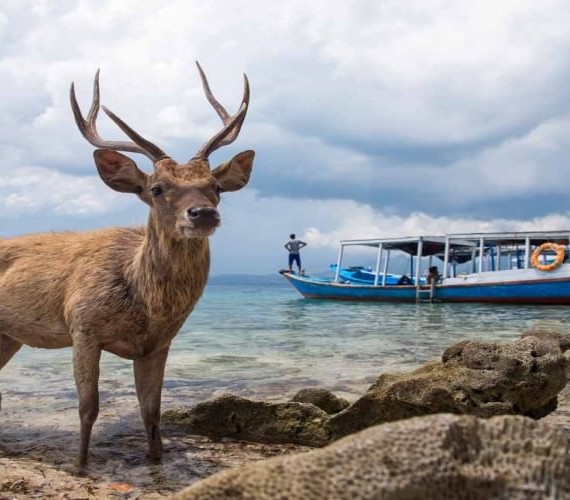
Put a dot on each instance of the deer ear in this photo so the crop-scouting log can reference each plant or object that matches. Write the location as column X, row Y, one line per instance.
column 234, row 174
column 119, row 172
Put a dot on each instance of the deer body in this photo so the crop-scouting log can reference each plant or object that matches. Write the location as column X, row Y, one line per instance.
column 82, row 274
column 122, row 290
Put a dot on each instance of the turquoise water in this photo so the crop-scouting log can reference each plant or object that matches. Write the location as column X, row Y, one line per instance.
column 268, row 342
column 263, row 342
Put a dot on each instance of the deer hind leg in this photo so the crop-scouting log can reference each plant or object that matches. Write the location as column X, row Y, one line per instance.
column 8, row 347
column 86, row 357
column 149, row 376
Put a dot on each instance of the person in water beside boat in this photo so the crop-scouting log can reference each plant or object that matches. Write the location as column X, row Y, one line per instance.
column 294, row 246
column 433, row 275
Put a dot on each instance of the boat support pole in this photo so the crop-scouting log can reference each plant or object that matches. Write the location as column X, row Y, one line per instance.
column 446, row 258
column 481, row 248
column 386, row 260
column 498, row 257
column 338, row 262
column 526, row 252
column 418, row 258
column 377, row 269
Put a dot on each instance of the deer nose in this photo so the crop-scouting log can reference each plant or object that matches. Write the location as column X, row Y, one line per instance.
column 203, row 215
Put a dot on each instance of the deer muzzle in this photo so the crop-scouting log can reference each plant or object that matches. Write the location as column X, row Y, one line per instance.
column 203, row 218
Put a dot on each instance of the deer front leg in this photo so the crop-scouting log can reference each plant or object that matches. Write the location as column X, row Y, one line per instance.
column 8, row 347
column 149, row 376
column 86, row 356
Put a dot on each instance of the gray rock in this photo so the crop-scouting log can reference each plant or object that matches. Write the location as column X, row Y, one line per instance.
column 257, row 421
column 434, row 457
column 475, row 378
column 321, row 398
column 550, row 335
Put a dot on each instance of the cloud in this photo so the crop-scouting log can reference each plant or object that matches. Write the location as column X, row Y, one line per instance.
column 251, row 223
column 37, row 189
column 450, row 109
column 371, row 224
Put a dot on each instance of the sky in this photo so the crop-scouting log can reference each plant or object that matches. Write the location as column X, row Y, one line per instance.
column 369, row 118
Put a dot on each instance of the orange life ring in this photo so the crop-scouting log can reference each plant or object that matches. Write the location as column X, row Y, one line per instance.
column 559, row 249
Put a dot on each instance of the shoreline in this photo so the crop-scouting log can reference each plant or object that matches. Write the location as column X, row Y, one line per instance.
column 37, row 460
column 41, row 465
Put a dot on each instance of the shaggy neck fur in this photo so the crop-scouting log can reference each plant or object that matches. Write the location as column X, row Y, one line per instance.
column 169, row 274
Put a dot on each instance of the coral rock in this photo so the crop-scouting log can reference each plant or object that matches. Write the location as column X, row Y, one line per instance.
column 439, row 456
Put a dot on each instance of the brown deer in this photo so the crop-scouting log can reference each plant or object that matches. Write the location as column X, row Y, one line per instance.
column 122, row 290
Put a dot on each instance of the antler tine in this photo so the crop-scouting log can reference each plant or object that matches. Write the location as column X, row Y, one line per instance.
column 232, row 124
column 235, row 130
column 150, row 149
column 88, row 128
column 222, row 113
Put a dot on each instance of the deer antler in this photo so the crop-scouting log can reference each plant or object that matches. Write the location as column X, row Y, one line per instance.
column 88, row 128
column 232, row 124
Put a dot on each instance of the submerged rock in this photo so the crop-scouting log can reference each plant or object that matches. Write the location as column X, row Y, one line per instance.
column 440, row 456
column 257, row 421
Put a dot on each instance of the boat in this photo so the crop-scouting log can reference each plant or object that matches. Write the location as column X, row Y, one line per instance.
column 366, row 276
column 500, row 267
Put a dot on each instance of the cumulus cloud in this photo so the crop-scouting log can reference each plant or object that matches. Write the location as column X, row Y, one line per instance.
column 441, row 110
column 265, row 223
column 37, row 189
column 372, row 224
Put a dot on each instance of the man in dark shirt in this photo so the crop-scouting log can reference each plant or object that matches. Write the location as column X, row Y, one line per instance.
column 294, row 246
column 433, row 275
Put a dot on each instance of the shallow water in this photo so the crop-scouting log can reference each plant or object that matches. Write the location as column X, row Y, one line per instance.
column 255, row 341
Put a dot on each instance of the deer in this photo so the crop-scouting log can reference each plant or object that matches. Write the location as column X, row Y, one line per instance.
column 123, row 290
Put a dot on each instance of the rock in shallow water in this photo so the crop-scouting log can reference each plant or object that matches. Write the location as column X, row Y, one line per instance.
column 321, row 398
column 257, row 421
column 474, row 378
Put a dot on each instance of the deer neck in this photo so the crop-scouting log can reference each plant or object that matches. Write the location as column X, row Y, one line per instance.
column 170, row 275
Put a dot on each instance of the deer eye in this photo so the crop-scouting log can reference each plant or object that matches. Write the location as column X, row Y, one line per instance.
column 156, row 190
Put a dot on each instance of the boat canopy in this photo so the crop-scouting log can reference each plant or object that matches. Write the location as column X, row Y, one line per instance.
column 423, row 246
column 459, row 248
column 430, row 245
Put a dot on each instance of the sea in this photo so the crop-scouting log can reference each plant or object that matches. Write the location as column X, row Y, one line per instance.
column 255, row 338
column 260, row 339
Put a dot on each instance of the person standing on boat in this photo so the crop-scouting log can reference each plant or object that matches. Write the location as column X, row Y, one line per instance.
column 294, row 246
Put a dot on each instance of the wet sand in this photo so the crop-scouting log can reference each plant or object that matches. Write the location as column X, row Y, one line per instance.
column 36, row 459
column 39, row 434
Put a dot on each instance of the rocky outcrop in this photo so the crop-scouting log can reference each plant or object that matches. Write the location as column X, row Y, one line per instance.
column 240, row 418
column 473, row 378
column 550, row 335
column 439, row 456
column 321, row 398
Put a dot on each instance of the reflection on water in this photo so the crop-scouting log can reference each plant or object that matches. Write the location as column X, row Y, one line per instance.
column 263, row 343
column 267, row 342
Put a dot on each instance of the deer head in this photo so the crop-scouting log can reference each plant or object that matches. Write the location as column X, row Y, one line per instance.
column 182, row 197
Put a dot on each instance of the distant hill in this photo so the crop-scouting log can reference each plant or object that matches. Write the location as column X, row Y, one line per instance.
column 247, row 279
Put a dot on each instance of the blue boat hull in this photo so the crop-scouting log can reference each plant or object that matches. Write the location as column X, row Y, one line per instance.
column 539, row 291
